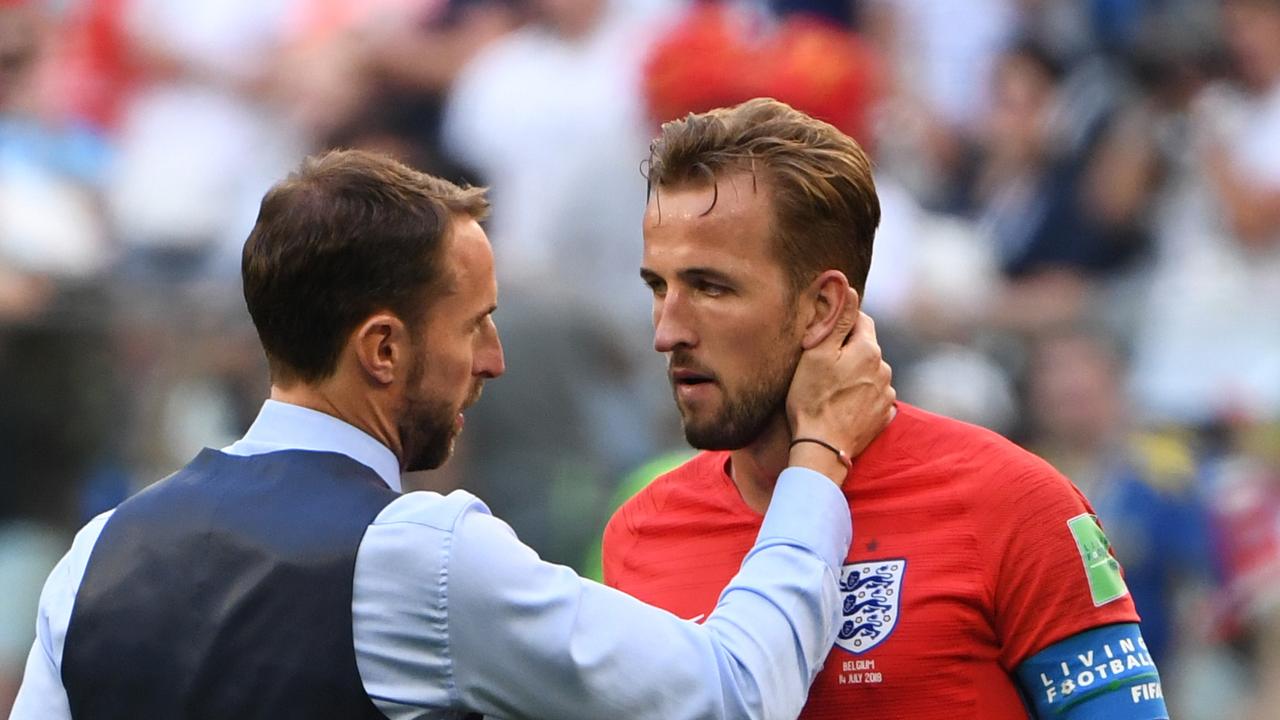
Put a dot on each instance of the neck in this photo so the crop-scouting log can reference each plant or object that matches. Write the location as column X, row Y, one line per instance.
column 575, row 26
column 359, row 410
column 755, row 468
column 1271, row 80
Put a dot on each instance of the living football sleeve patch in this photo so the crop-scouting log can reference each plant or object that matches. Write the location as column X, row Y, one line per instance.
column 1100, row 567
column 1100, row 674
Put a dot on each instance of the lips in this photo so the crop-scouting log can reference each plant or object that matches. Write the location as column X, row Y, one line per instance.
column 685, row 376
column 473, row 397
column 693, row 386
column 470, row 400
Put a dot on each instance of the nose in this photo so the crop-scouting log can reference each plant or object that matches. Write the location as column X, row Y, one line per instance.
column 490, row 362
column 672, row 326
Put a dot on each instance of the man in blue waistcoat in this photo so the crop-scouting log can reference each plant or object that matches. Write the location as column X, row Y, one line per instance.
column 286, row 576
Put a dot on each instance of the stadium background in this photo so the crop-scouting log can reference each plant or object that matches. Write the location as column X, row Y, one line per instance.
column 1080, row 249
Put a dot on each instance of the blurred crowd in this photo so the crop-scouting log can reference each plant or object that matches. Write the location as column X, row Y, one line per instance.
column 1080, row 249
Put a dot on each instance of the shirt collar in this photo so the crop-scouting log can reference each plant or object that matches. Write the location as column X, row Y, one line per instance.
column 284, row 426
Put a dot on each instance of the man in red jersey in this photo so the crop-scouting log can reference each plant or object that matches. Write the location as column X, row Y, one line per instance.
column 979, row 584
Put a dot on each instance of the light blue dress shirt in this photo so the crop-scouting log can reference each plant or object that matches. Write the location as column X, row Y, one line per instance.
column 453, row 614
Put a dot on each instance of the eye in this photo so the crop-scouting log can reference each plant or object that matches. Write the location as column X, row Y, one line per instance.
column 483, row 322
column 711, row 289
column 656, row 286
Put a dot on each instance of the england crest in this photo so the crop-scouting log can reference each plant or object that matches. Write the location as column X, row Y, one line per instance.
column 871, row 594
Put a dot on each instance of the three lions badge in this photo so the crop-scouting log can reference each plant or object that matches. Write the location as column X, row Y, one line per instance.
column 871, row 594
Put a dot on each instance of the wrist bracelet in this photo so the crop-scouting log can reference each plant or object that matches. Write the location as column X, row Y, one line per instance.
column 844, row 458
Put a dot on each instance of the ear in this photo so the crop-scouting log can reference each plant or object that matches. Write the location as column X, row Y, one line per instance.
column 381, row 347
column 823, row 302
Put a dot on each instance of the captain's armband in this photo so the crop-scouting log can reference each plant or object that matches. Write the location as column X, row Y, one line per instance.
column 1101, row 674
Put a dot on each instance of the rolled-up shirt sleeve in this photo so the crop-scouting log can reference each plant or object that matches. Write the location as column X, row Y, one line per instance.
column 532, row 639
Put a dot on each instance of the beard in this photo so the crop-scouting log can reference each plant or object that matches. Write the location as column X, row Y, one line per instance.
column 744, row 415
column 427, row 426
column 426, row 433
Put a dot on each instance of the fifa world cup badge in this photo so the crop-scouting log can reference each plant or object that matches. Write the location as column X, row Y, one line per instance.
column 1100, row 568
column 871, row 595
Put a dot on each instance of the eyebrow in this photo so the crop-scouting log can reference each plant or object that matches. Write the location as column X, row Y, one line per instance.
column 691, row 275
column 704, row 274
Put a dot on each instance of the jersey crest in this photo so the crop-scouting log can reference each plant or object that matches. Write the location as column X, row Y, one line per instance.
column 871, row 594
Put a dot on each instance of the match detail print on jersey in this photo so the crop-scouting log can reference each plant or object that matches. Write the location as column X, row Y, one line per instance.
column 1103, row 572
column 870, row 595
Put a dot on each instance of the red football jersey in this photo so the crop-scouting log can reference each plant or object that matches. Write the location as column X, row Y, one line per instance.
column 962, row 566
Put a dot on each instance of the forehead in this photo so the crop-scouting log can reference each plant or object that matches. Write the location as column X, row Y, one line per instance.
column 468, row 261
column 729, row 220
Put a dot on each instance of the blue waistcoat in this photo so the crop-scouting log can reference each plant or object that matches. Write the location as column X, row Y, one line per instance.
column 224, row 591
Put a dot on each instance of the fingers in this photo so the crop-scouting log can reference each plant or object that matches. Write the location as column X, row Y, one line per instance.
column 843, row 394
column 849, row 313
column 864, row 330
column 891, row 395
column 844, row 325
column 862, row 350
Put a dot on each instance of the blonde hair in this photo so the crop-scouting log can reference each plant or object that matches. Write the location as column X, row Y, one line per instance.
column 825, row 206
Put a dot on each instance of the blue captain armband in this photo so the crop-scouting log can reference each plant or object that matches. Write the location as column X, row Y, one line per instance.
column 1100, row 674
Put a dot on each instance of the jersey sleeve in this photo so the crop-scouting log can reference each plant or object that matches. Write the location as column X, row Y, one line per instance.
column 1052, row 573
column 1101, row 674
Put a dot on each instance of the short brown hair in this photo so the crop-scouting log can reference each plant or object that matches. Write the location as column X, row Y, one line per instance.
column 826, row 207
column 348, row 234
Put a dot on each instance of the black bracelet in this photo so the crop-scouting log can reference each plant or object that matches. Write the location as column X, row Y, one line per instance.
column 844, row 458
